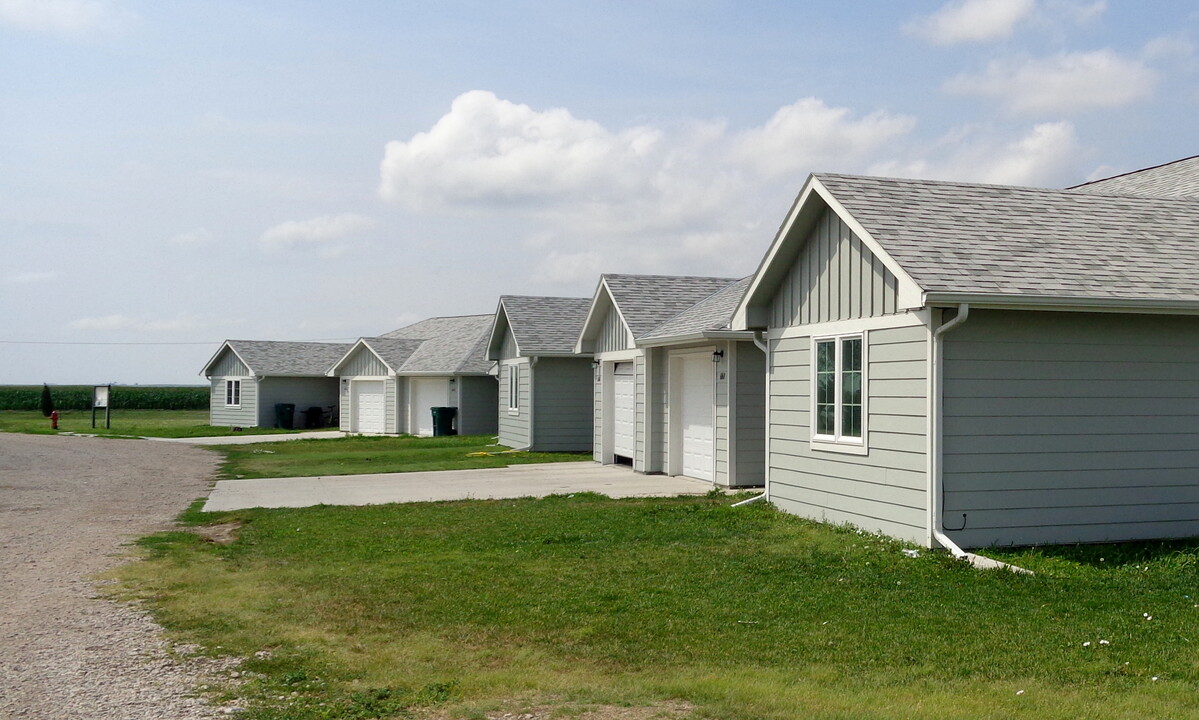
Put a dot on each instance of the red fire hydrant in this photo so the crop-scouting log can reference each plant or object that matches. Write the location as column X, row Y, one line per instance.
column 53, row 419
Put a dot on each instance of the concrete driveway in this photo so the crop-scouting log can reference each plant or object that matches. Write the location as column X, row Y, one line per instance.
column 493, row 483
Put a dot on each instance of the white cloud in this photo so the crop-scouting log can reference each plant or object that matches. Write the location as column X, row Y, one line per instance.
column 124, row 323
column 63, row 17
column 26, row 278
column 1047, row 155
column 972, row 21
column 1062, row 83
column 324, row 231
column 677, row 199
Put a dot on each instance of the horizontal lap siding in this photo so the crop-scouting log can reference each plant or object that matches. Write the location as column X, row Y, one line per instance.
column 641, row 415
column 750, row 437
column 835, row 277
column 514, row 428
column 1071, row 427
column 597, row 414
column 244, row 416
column 562, row 408
column 884, row 490
column 721, row 435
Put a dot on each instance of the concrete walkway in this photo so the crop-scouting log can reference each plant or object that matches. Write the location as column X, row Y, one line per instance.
column 509, row 482
column 250, row 439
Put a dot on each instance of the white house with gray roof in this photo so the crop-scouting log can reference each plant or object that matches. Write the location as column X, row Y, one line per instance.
column 389, row 383
column 249, row 377
column 971, row 365
column 544, row 386
column 675, row 390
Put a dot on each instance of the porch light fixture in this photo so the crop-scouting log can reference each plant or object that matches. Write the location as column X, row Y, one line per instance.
column 718, row 356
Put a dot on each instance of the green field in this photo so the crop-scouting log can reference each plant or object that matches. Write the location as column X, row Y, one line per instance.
column 123, row 397
column 458, row 610
column 356, row 455
column 125, row 423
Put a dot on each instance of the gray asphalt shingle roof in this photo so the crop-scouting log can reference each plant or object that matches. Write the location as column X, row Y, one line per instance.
column 544, row 325
column 452, row 345
column 269, row 358
column 1174, row 179
column 712, row 313
column 647, row 301
column 990, row 239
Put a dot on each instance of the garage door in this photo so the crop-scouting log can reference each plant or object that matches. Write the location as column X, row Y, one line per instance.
column 697, row 395
column 369, row 414
column 426, row 393
column 623, row 410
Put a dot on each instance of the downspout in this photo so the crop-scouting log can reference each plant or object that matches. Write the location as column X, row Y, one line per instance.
column 760, row 341
column 935, row 469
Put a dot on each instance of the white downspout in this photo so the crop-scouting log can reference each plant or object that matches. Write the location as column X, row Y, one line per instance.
column 936, row 474
column 760, row 341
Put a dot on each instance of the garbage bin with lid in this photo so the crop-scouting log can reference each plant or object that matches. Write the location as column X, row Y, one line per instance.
column 285, row 415
column 443, row 420
column 312, row 417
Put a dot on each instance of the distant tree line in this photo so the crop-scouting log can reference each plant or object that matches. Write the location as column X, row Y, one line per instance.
column 123, row 397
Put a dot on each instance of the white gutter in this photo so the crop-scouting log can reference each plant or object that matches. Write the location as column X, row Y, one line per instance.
column 936, row 478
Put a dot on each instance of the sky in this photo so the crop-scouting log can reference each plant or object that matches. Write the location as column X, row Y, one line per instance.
column 176, row 173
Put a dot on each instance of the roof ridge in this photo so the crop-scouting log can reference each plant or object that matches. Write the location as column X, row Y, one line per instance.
column 1132, row 172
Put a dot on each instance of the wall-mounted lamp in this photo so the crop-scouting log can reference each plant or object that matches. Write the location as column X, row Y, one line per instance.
column 595, row 363
column 718, row 356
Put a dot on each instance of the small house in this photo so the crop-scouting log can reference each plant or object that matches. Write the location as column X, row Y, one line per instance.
column 971, row 365
column 388, row 384
column 545, row 390
column 249, row 378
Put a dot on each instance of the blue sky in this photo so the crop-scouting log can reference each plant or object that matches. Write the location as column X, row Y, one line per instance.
column 176, row 173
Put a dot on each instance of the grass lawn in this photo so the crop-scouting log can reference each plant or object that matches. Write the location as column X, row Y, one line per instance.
column 464, row 609
column 137, row 423
column 356, row 455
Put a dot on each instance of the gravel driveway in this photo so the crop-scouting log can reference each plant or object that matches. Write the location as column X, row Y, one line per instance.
column 67, row 505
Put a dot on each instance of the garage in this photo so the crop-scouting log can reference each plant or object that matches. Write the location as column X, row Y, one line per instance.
column 369, row 406
column 426, row 393
column 692, row 414
column 623, row 410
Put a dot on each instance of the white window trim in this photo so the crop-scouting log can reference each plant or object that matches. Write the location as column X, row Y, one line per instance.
column 229, row 384
column 514, row 389
column 837, row 442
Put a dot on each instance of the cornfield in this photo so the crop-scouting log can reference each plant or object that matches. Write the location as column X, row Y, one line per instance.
column 122, row 397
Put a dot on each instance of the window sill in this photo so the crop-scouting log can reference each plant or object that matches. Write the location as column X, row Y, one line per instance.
column 844, row 448
column 513, row 412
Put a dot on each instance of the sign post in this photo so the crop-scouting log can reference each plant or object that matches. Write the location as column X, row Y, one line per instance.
column 100, row 399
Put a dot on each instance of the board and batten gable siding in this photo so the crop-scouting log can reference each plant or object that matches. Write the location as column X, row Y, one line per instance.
column 229, row 365
column 363, row 363
column 514, row 427
column 478, row 396
column 1071, row 427
column 834, row 277
column 244, row 416
column 614, row 336
column 884, row 490
column 508, row 349
column 562, row 399
column 749, row 442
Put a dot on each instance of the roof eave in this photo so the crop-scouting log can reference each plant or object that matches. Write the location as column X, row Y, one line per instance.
column 695, row 337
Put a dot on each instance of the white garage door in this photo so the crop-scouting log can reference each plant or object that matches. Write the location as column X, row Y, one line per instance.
column 623, row 410
column 369, row 413
column 697, row 395
column 426, row 393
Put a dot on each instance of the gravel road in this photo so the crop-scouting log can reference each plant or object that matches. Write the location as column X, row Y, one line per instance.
column 67, row 507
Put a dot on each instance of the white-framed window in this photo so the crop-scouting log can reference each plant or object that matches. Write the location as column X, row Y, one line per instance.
column 513, row 389
column 233, row 393
column 839, row 389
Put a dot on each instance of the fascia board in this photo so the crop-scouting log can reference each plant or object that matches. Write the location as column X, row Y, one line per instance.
column 695, row 337
column 499, row 323
column 1062, row 303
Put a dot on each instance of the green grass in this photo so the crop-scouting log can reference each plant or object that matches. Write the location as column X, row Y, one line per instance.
column 125, row 423
column 462, row 608
column 356, row 455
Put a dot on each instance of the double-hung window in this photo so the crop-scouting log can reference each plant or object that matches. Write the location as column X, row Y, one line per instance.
column 839, row 381
column 233, row 393
column 513, row 389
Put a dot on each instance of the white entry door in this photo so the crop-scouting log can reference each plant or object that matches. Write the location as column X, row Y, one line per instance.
column 426, row 393
column 624, row 410
column 697, row 395
column 369, row 407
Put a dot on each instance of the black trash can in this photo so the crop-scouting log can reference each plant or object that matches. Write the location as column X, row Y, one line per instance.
column 285, row 415
column 443, row 420
column 312, row 417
